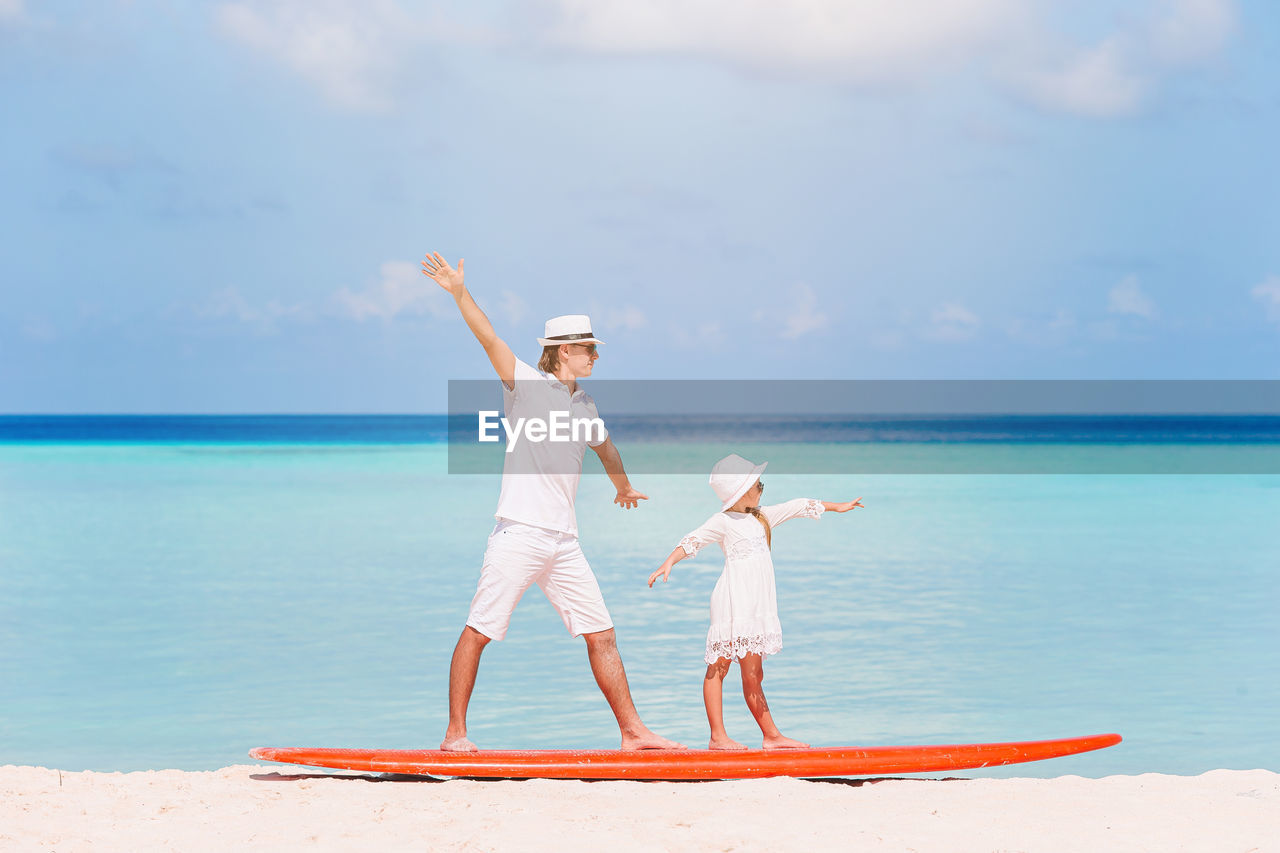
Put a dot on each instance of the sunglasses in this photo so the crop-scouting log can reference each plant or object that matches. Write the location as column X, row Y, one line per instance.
column 760, row 486
column 590, row 348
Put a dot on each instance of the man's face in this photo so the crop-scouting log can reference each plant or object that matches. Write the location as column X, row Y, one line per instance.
column 580, row 358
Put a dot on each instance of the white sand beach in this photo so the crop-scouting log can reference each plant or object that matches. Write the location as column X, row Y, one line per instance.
column 274, row 807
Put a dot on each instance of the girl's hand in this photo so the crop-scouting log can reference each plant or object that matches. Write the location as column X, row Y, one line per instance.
column 663, row 572
column 845, row 507
column 438, row 269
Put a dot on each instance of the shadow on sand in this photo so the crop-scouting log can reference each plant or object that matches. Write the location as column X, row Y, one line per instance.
column 408, row 777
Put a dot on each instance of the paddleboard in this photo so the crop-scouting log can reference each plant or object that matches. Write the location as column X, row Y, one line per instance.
column 684, row 763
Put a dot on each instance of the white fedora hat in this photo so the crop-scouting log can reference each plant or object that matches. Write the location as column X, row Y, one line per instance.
column 732, row 476
column 569, row 329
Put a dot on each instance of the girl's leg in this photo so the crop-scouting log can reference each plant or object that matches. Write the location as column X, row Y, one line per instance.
column 712, row 697
column 752, row 675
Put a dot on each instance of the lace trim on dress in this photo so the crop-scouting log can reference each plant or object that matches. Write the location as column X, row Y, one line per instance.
column 813, row 509
column 746, row 547
column 740, row 647
column 691, row 545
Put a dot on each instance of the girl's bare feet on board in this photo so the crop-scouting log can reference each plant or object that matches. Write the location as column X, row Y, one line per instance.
column 458, row 744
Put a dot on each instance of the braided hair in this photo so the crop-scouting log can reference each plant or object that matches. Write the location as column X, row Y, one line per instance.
column 768, row 531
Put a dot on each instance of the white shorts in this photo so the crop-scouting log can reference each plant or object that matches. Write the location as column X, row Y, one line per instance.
column 519, row 555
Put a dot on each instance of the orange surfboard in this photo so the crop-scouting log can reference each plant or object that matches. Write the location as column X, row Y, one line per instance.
column 684, row 763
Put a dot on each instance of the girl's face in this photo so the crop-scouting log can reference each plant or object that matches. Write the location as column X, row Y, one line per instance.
column 751, row 498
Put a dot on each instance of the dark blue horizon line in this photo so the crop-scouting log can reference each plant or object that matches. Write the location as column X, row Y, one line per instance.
column 610, row 415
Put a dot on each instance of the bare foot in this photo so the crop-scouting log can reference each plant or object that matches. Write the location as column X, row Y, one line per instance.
column 781, row 742
column 645, row 739
column 725, row 743
column 458, row 744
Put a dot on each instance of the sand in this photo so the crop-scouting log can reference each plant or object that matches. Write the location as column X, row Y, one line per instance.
column 272, row 807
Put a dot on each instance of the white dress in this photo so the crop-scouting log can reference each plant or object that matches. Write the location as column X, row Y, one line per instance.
column 744, row 604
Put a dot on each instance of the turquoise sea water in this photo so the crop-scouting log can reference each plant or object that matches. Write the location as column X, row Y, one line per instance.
column 174, row 603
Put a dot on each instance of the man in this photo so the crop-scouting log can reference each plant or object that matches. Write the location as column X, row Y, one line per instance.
column 536, row 537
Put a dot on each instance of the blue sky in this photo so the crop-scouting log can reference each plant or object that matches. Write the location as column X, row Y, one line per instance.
column 220, row 206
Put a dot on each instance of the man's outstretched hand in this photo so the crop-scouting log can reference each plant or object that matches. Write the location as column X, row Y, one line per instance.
column 438, row 269
column 629, row 498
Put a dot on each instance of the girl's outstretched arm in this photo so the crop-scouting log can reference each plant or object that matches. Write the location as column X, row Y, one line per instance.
column 664, row 571
column 777, row 514
column 844, row 507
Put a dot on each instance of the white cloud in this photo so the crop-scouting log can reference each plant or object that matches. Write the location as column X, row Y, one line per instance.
column 356, row 51
column 1062, row 319
column 229, row 302
column 351, row 51
column 705, row 336
column 910, row 41
column 952, row 323
column 627, row 317
column 12, row 10
column 1127, row 298
column 1044, row 330
column 1096, row 83
column 886, row 339
column 852, row 40
column 1268, row 295
column 400, row 289
column 1117, row 74
column 805, row 316
column 1193, row 30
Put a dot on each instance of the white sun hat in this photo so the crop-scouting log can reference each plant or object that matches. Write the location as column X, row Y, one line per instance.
column 569, row 329
column 732, row 476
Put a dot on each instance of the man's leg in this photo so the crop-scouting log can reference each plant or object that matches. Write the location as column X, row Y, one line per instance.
column 462, row 679
column 513, row 557
column 572, row 589
column 606, row 666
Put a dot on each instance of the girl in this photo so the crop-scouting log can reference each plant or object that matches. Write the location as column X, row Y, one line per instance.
column 744, row 609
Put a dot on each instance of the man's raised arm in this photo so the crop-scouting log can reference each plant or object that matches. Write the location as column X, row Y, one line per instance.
column 501, row 356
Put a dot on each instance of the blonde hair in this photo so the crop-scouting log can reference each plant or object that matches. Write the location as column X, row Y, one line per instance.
column 550, row 360
column 768, row 531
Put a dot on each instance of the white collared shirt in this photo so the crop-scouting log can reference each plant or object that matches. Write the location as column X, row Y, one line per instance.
column 540, row 479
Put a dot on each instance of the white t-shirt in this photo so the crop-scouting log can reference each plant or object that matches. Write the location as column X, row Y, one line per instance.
column 540, row 478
